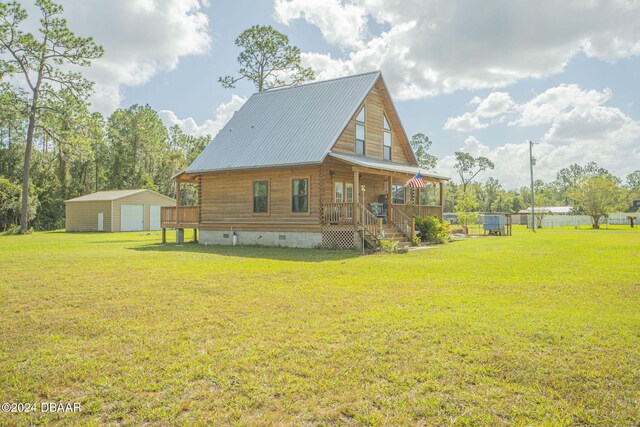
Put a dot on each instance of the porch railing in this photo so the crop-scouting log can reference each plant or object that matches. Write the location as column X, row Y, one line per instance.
column 337, row 213
column 404, row 223
column 368, row 221
column 420, row 210
column 179, row 216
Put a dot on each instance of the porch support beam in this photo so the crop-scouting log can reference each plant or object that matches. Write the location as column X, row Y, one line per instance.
column 381, row 172
column 356, row 186
column 390, row 190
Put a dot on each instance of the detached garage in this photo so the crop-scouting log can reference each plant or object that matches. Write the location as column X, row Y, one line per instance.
column 120, row 210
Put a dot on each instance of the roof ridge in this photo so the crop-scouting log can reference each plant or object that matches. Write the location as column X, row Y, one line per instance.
column 277, row 89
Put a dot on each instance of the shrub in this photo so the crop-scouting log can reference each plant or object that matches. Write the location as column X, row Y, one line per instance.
column 387, row 246
column 431, row 230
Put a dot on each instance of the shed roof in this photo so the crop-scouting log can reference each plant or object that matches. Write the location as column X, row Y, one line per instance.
column 105, row 196
column 289, row 126
column 386, row 165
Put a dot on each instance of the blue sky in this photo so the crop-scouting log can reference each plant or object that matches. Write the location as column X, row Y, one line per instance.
column 482, row 78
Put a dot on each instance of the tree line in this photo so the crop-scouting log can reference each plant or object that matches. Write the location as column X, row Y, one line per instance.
column 53, row 148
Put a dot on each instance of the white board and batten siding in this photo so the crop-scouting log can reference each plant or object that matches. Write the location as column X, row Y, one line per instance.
column 154, row 217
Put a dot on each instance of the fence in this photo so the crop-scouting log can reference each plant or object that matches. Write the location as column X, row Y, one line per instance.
column 550, row 220
column 479, row 223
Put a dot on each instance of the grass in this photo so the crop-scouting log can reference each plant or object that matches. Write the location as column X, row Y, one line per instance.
column 537, row 329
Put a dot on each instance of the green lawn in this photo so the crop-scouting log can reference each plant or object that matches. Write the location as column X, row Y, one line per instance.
column 537, row 329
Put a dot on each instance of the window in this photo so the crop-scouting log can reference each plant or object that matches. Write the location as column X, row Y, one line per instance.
column 300, row 195
column 360, row 131
column 387, row 139
column 398, row 194
column 261, row 196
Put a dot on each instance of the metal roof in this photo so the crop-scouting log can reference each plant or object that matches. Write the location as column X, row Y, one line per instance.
column 561, row 210
column 290, row 126
column 112, row 195
column 385, row 165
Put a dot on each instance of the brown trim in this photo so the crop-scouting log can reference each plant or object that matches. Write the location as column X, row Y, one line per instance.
column 268, row 212
column 356, row 122
column 291, row 179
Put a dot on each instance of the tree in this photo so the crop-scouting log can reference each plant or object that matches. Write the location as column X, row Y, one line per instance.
column 597, row 196
column 267, row 60
column 633, row 181
column 42, row 65
column 465, row 209
column 491, row 188
column 468, row 167
column 138, row 143
column 571, row 175
column 421, row 144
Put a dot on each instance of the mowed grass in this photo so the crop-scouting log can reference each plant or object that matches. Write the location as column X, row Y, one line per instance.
column 537, row 329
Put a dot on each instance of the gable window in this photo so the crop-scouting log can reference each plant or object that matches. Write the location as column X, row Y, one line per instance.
column 300, row 195
column 360, row 131
column 387, row 139
column 260, row 196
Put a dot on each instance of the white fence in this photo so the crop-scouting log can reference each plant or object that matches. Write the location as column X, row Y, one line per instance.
column 551, row 221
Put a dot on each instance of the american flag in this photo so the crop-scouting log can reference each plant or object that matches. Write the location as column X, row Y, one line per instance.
column 416, row 182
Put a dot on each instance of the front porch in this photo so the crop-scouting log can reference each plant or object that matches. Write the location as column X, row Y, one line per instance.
column 368, row 196
column 392, row 222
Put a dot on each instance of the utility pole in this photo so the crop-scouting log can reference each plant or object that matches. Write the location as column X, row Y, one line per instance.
column 531, row 162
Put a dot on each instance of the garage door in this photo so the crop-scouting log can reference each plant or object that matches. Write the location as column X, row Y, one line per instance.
column 154, row 217
column 131, row 217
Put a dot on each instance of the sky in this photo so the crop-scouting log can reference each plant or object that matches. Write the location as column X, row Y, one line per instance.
column 480, row 77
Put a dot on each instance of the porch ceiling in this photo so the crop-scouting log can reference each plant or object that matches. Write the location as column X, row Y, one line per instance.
column 184, row 177
column 384, row 167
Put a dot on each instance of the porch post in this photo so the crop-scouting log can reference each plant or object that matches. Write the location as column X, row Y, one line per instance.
column 390, row 190
column 178, row 201
column 441, row 200
column 356, row 188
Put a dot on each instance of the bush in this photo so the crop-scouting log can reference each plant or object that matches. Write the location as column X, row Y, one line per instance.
column 431, row 230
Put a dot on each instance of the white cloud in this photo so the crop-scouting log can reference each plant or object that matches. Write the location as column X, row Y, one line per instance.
column 495, row 105
column 442, row 46
column 210, row 127
column 341, row 24
column 141, row 38
column 581, row 129
column 464, row 123
column 547, row 106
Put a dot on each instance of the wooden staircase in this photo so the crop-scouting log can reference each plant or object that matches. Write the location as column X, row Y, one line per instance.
column 393, row 234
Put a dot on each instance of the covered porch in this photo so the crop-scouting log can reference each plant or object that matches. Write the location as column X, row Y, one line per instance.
column 186, row 213
column 370, row 197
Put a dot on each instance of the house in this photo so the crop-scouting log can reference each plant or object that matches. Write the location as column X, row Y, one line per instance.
column 120, row 210
column 314, row 165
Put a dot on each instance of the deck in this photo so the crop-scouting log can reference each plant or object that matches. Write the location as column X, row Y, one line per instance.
column 180, row 217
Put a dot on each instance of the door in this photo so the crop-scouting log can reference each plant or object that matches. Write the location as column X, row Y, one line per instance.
column 131, row 217
column 348, row 198
column 154, row 217
column 100, row 221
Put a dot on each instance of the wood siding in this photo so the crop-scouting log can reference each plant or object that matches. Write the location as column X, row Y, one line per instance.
column 377, row 103
column 227, row 201
column 343, row 172
column 83, row 216
column 147, row 199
